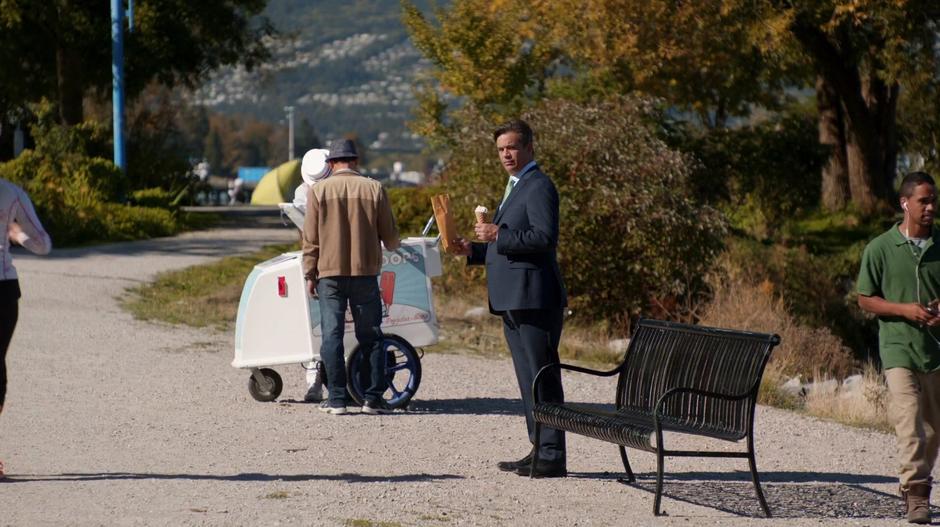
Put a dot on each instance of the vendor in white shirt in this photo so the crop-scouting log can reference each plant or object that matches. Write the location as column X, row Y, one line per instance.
column 313, row 169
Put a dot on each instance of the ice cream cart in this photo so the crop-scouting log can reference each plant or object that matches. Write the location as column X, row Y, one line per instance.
column 278, row 323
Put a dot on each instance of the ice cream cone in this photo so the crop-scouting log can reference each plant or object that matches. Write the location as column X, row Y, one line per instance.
column 481, row 213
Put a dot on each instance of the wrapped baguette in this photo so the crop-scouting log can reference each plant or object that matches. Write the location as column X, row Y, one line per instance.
column 445, row 221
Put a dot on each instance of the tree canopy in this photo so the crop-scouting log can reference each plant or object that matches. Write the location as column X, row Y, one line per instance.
column 715, row 60
column 60, row 49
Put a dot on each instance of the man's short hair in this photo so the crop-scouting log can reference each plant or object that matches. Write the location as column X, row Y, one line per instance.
column 914, row 180
column 516, row 125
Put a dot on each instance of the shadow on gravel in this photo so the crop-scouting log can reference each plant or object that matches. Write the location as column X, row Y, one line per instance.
column 789, row 494
column 468, row 406
column 477, row 406
column 779, row 477
column 250, row 476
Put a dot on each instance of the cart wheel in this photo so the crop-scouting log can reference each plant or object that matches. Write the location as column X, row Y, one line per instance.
column 402, row 371
column 267, row 390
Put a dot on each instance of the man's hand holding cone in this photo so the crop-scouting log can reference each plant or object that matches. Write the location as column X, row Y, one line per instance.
column 484, row 230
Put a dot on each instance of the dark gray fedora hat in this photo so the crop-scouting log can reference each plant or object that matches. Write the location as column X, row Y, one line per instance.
column 342, row 150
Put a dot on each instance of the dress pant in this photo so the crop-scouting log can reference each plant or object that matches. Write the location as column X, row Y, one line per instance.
column 533, row 336
column 914, row 409
column 361, row 294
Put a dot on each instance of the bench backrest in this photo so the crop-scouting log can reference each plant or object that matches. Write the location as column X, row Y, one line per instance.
column 667, row 355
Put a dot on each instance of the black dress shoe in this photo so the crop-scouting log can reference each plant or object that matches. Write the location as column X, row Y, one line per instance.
column 512, row 466
column 544, row 469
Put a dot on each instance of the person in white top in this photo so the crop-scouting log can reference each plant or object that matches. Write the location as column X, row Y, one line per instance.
column 313, row 169
column 20, row 225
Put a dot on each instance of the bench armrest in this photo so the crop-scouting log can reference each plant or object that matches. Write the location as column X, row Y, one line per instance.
column 540, row 375
column 657, row 411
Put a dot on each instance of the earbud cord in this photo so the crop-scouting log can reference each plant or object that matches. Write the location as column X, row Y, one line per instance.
column 910, row 244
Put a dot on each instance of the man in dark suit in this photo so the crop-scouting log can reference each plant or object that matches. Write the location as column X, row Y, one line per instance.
column 524, row 284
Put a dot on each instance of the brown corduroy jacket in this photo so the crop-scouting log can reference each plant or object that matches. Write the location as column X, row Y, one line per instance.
column 347, row 216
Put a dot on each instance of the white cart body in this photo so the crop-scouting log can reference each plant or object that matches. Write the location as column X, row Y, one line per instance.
column 279, row 323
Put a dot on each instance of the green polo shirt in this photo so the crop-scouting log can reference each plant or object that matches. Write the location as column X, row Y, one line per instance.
column 888, row 271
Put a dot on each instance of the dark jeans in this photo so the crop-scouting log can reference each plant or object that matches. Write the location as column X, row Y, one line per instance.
column 9, row 311
column 361, row 294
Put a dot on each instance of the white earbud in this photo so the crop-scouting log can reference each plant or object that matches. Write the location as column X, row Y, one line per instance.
column 904, row 205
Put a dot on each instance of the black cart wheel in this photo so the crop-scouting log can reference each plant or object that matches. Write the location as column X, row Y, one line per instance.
column 402, row 372
column 269, row 388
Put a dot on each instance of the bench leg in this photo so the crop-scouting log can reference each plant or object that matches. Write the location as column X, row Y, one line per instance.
column 535, row 449
column 626, row 464
column 660, row 459
column 753, row 464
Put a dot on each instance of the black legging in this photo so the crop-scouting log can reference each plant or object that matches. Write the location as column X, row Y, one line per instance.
column 9, row 310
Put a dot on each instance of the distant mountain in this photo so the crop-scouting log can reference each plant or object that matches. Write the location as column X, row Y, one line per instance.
column 347, row 66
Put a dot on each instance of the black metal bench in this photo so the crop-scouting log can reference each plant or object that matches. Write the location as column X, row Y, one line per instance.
column 674, row 378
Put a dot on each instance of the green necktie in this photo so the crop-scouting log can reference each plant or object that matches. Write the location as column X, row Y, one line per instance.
column 509, row 185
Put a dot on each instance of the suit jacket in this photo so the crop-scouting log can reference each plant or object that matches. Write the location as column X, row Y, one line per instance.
column 521, row 265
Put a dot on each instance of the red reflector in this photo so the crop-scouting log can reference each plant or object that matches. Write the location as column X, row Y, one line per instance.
column 281, row 286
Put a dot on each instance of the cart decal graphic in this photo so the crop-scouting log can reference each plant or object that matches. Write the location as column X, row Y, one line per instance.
column 405, row 289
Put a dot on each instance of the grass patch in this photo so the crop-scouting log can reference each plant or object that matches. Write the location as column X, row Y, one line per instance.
column 826, row 233
column 864, row 405
column 207, row 295
column 468, row 326
column 201, row 295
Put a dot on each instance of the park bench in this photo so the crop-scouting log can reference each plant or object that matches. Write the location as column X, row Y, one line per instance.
column 673, row 378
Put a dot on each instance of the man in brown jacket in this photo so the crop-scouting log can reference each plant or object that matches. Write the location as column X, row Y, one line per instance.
column 348, row 215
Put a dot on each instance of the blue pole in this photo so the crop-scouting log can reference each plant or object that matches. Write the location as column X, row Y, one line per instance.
column 117, row 84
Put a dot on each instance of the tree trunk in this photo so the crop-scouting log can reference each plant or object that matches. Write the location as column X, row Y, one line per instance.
column 69, row 85
column 869, row 109
column 835, row 174
column 871, row 140
column 863, row 163
column 883, row 99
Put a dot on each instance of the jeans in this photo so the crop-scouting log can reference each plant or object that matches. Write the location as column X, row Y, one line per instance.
column 361, row 294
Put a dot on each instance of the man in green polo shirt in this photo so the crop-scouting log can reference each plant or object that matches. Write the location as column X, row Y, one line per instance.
column 899, row 282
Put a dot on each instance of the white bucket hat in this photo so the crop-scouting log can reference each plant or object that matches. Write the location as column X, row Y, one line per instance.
column 313, row 168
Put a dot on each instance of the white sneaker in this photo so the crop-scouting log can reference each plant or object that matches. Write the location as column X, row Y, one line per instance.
column 315, row 378
column 333, row 410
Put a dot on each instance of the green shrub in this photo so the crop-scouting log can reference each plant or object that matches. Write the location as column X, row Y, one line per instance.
column 75, row 190
column 412, row 208
column 633, row 237
column 153, row 197
column 125, row 222
column 760, row 175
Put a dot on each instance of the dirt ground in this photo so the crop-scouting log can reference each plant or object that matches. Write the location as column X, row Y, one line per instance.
column 113, row 421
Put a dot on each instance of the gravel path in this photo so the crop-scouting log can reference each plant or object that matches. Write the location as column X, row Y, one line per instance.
column 120, row 422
